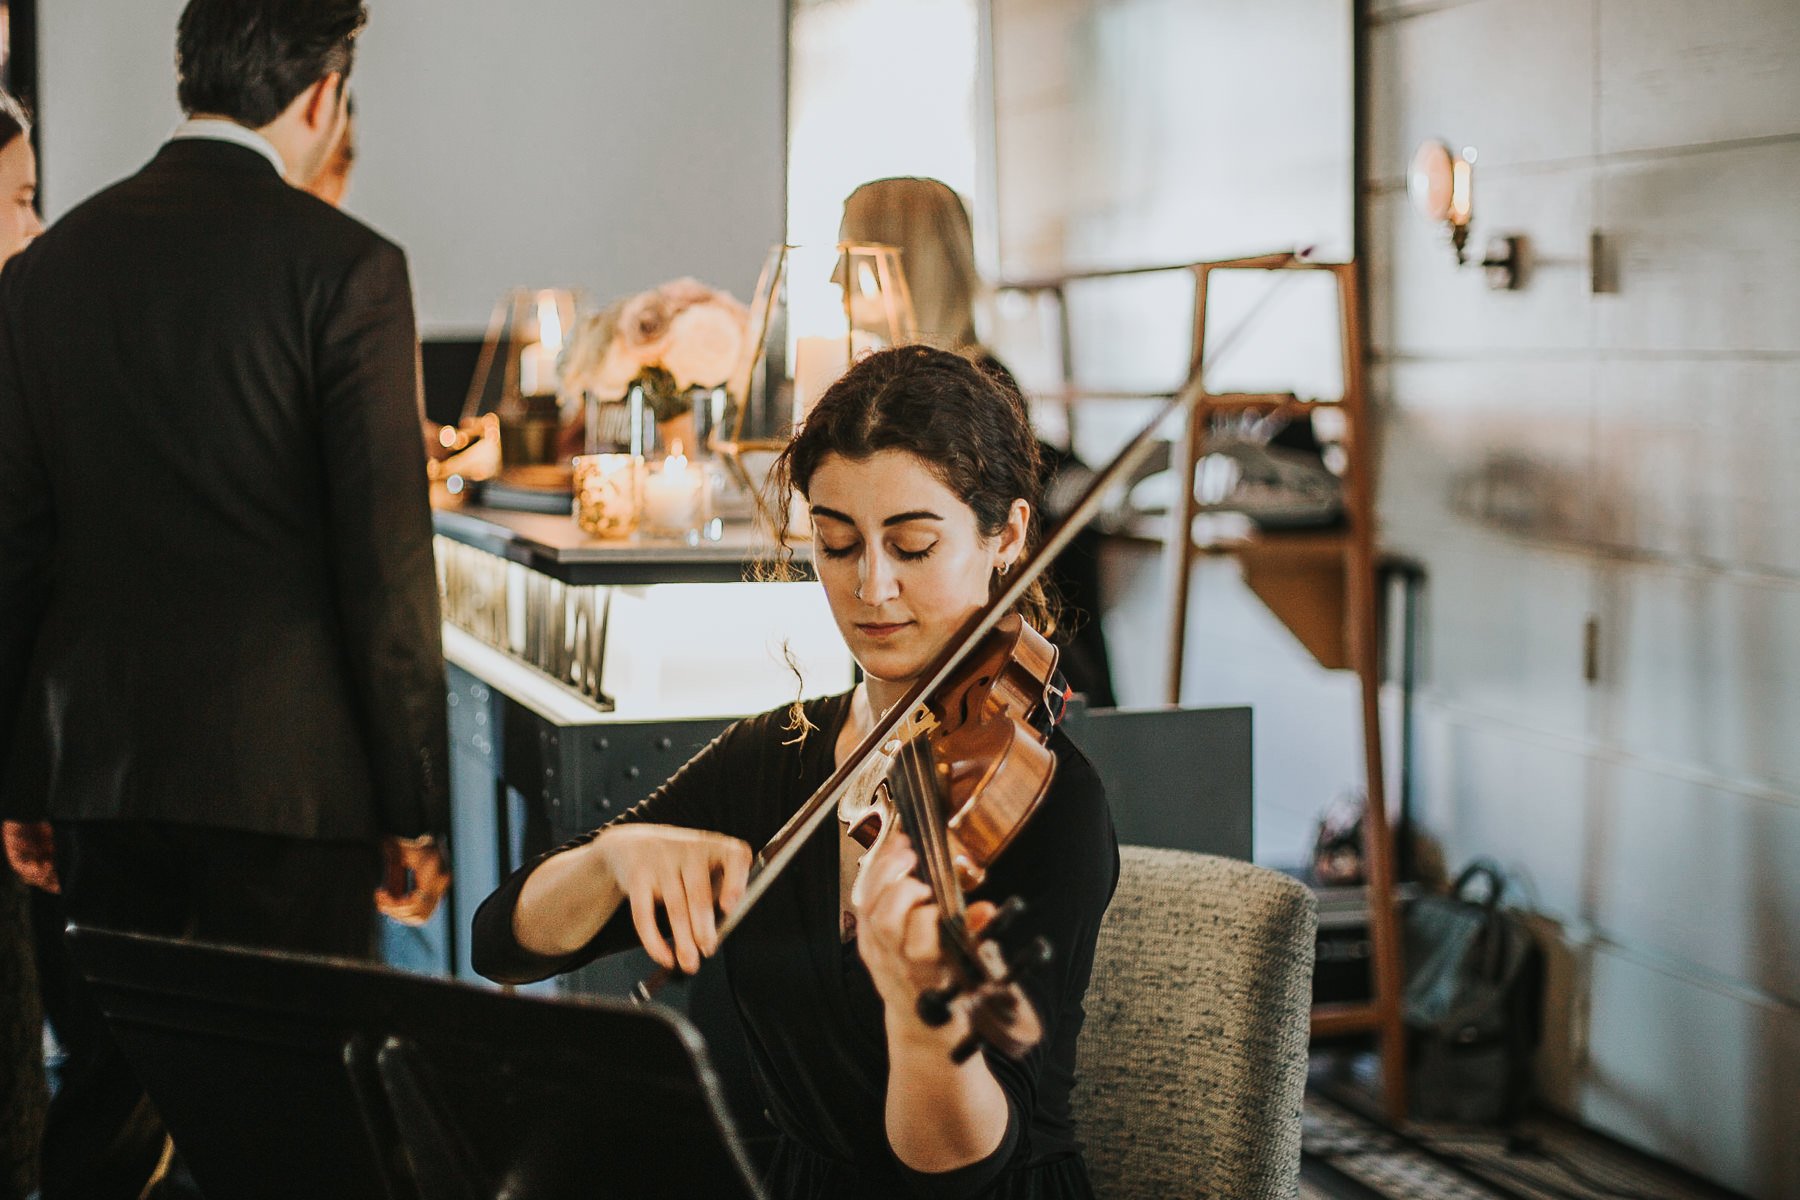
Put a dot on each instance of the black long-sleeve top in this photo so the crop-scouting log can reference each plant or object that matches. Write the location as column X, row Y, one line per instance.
column 809, row 1007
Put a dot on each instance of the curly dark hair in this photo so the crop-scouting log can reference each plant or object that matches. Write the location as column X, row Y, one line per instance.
column 970, row 429
column 248, row 59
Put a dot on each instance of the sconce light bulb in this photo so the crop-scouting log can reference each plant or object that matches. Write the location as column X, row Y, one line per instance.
column 1462, row 191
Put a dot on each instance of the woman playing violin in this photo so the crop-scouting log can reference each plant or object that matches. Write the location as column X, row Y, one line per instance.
column 920, row 473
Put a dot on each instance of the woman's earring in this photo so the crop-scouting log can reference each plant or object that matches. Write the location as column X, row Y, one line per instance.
column 1003, row 568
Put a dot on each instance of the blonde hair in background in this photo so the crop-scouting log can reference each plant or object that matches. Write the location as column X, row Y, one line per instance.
column 929, row 224
column 14, row 120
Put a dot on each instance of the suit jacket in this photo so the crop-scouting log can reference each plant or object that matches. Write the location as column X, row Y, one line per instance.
column 218, row 604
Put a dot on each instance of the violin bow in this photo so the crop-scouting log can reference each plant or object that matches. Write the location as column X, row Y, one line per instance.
column 781, row 849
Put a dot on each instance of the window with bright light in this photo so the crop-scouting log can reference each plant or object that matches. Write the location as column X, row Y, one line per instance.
column 876, row 88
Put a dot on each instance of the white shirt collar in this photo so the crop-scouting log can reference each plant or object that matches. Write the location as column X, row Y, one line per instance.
column 231, row 131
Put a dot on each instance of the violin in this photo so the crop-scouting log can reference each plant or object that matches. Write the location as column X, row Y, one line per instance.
column 962, row 776
column 987, row 742
column 965, row 767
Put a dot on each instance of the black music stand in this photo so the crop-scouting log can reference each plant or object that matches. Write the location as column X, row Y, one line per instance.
column 283, row 1075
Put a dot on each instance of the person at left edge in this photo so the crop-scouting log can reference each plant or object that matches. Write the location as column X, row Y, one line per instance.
column 222, row 697
column 22, row 1095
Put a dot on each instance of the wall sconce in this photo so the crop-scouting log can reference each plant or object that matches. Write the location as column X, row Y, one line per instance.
column 1441, row 186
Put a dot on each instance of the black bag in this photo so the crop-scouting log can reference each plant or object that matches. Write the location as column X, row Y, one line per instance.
column 1473, row 1004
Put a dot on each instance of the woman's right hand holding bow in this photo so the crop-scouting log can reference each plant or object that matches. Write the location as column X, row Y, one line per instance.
column 691, row 875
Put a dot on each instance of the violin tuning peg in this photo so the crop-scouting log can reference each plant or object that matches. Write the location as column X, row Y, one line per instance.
column 965, row 1050
column 934, row 1006
column 1029, row 957
column 1003, row 917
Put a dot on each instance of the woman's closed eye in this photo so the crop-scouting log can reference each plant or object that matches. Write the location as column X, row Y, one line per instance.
column 903, row 553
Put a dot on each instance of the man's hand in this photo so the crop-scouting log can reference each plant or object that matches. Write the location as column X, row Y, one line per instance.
column 31, row 849
column 411, row 902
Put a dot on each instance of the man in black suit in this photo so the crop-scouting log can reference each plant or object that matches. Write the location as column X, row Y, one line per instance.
column 222, row 703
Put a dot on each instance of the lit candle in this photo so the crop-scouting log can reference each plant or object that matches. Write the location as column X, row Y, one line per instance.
column 537, row 370
column 606, row 493
column 673, row 493
column 537, row 363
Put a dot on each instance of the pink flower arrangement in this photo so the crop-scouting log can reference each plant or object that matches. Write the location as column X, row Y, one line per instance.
column 669, row 339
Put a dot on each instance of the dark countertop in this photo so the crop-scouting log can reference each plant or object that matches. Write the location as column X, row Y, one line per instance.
column 557, row 547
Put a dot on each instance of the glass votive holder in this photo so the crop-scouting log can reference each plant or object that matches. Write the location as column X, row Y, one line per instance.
column 677, row 501
column 608, row 493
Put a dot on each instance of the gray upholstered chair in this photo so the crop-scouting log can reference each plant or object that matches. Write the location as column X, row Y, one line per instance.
column 1193, row 1060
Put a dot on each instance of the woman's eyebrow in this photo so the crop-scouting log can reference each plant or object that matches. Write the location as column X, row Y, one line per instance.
column 917, row 514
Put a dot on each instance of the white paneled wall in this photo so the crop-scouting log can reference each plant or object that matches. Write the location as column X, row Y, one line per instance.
column 1676, row 73
column 1630, row 457
column 1705, row 248
column 1683, row 475
column 1455, row 61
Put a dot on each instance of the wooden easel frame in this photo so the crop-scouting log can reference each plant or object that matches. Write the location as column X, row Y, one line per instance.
column 1347, row 553
column 1354, row 547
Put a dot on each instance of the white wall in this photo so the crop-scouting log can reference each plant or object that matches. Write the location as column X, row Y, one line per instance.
column 602, row 144
column 1132, row 132
column 106, row 92
column 1554, row 455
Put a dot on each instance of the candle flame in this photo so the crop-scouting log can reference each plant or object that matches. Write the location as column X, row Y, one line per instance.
column 550, row 331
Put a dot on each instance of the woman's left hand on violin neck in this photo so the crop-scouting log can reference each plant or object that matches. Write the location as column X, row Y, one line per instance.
column 898, row 939
column 940, row 1115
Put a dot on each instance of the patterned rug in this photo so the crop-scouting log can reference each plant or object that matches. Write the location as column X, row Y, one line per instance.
column 1347, row 1154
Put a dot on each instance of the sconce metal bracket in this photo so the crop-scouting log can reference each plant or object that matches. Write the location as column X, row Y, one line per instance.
column 1504, row 262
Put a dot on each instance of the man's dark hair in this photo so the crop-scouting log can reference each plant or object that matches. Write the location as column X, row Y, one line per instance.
column 248, row 59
